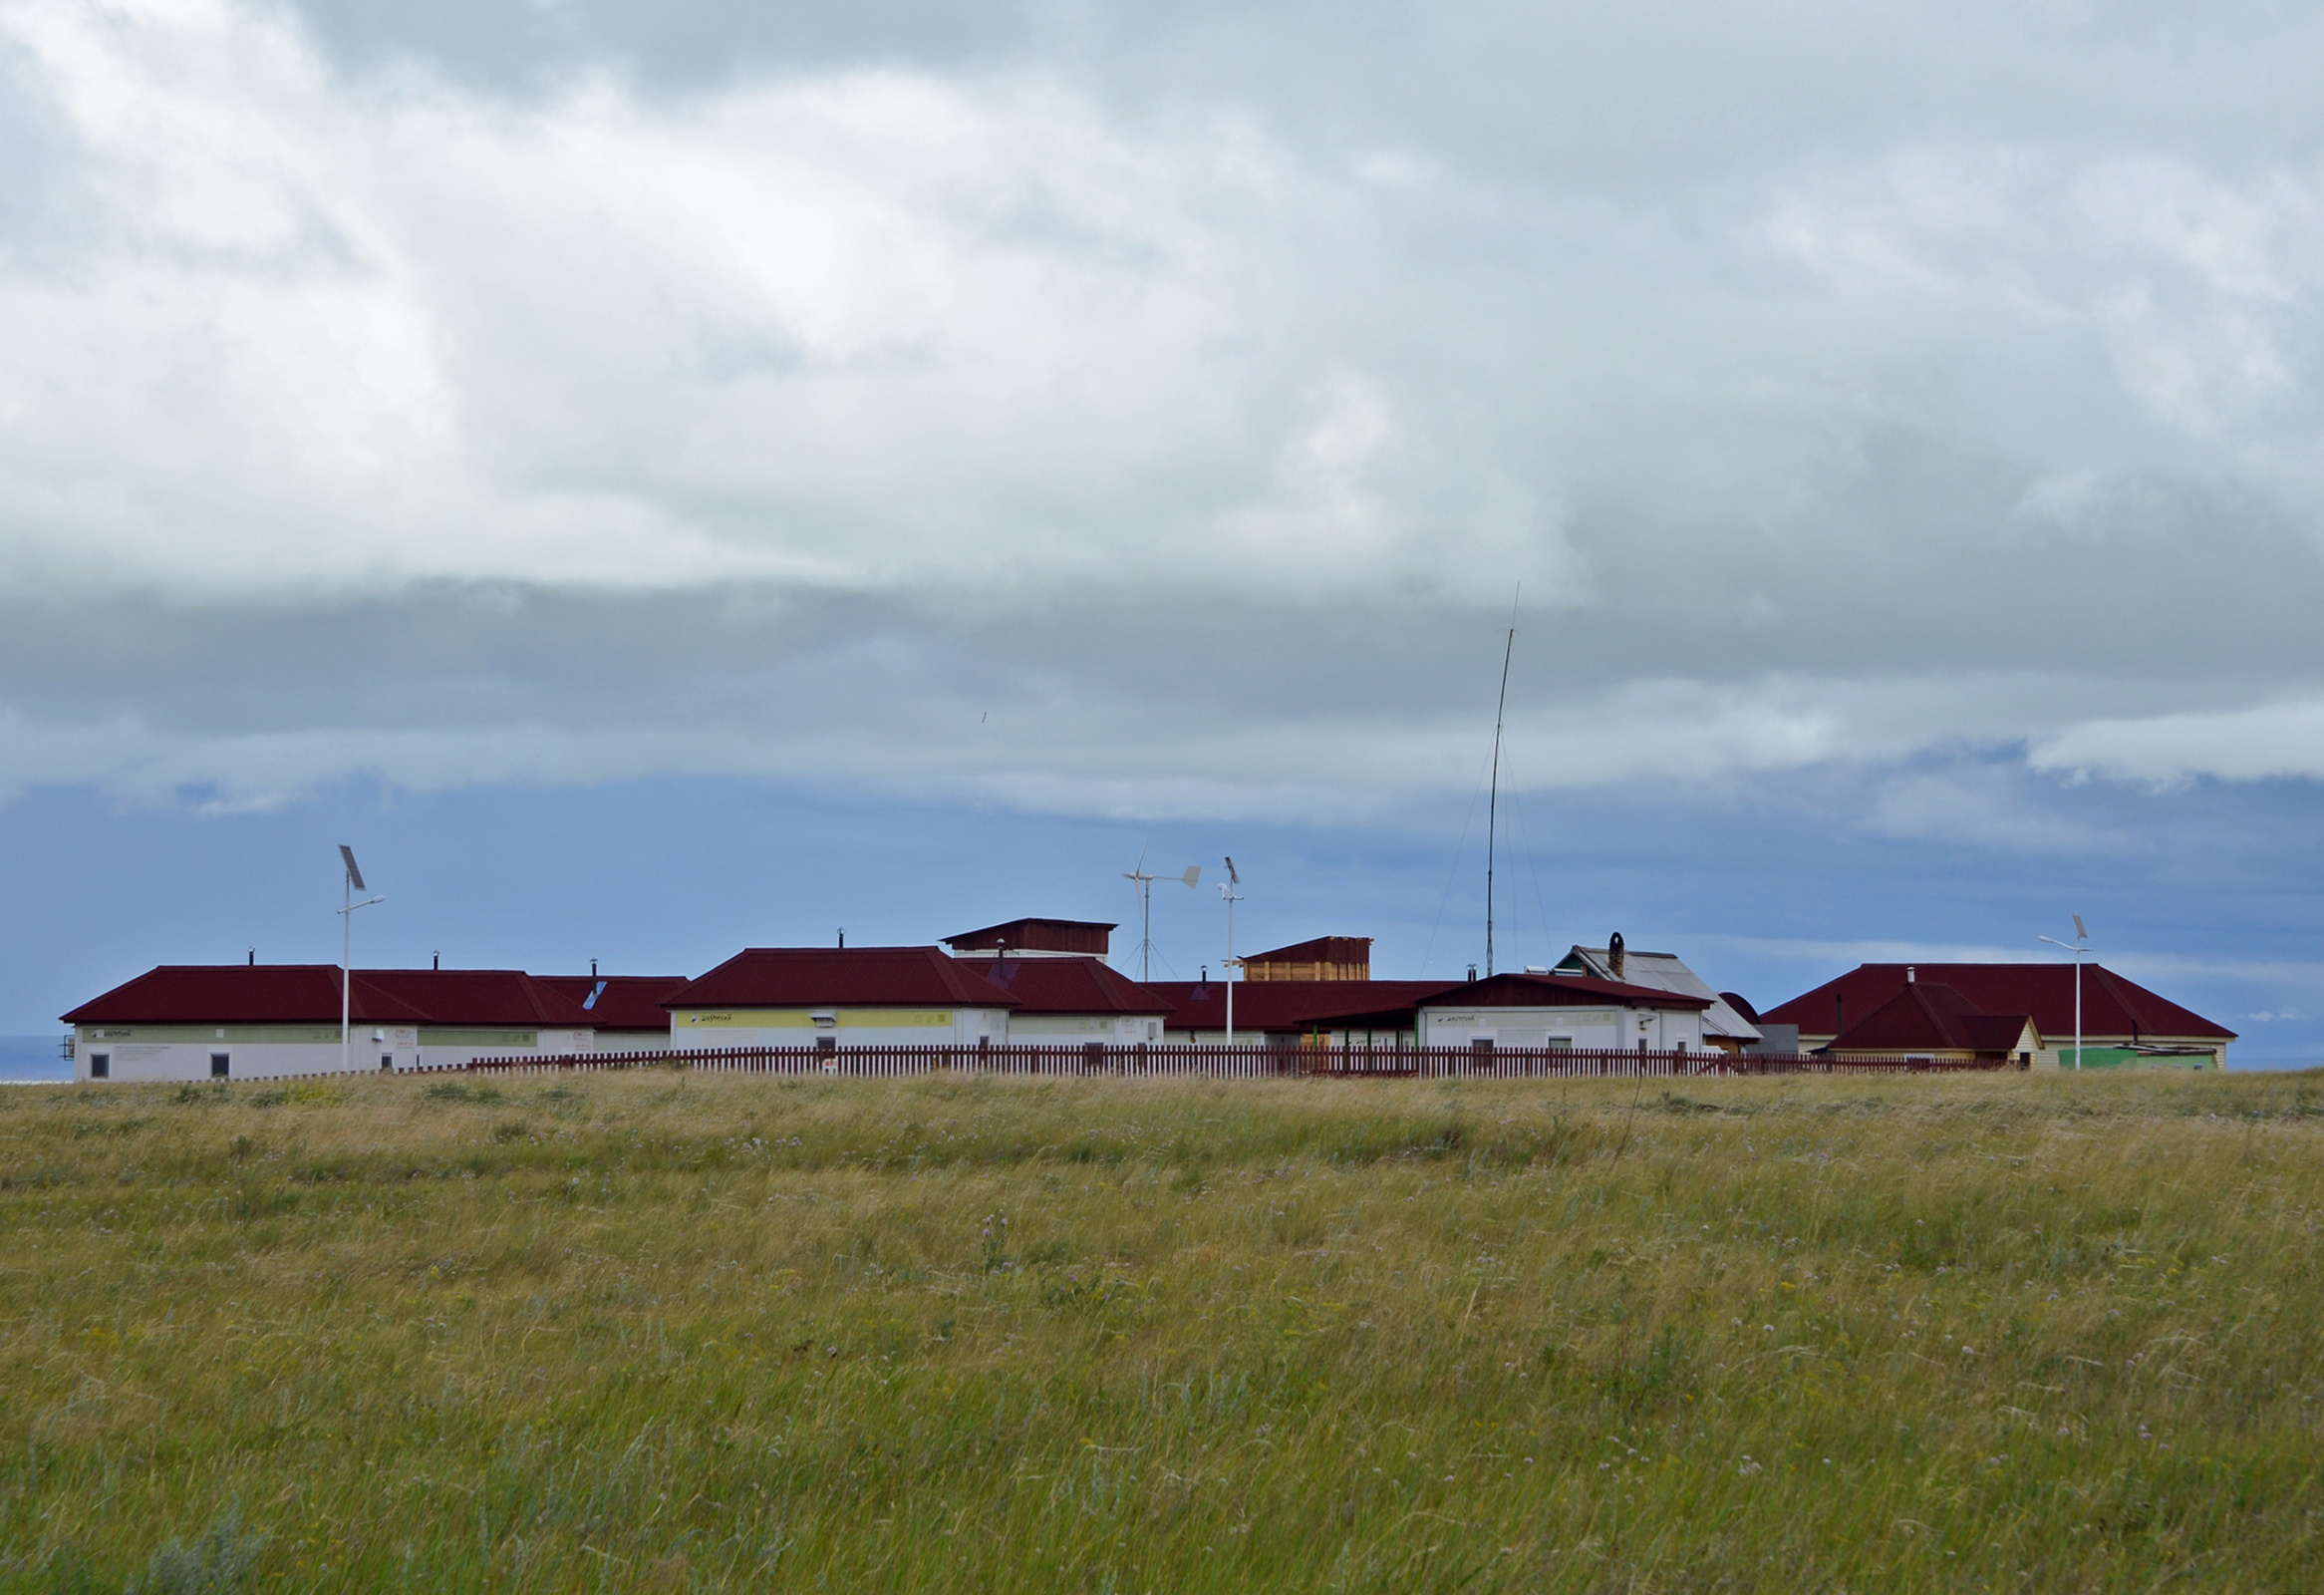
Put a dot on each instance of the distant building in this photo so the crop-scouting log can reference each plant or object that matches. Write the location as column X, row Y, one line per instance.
column 1578, row 1012
column 1034, row 938
column 1930, row 1022
column 2123, row 1023
column 625, row 1011
column 1724, row 1026
column 1323, row 958
column 1376, row 1013
column 245, row 1021
column 830, row 998
column 1062, row 1000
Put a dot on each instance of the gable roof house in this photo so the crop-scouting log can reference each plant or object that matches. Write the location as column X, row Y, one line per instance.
column 1928, row 1021
column 241, row 1021
column 839, row 997
column 1574, row 1012
column 1076, row 1001
column 1380, row 1013
column 625, row 1012
column 1724, row 1025
column 2123, row 1023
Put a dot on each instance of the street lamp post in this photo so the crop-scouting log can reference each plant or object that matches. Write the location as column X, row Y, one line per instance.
column 1228, row 891
column 2081, row 945
column 353, row 883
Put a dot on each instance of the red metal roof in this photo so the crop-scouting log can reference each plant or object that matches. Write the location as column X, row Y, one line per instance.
column 622, row 1002
column 1929, row 1016
column 2112, row 1006
column 840, row 977
column 246, row 994
column 1562, row 991
column 1288, row 1005
column 1038, row 935
column 488, row 997
column 1070, row 986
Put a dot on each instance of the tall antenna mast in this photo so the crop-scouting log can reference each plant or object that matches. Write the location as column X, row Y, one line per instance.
column 1493, row 804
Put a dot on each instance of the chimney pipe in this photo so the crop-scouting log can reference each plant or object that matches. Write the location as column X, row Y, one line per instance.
column 1616, row 957
column 842, row 938
column 1909, row 975
column 436, row 961
column 253, row 958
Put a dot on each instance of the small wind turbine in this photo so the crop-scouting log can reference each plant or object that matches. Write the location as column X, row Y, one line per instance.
column 1145, row 888
column 1228, row 891
column 354, row 884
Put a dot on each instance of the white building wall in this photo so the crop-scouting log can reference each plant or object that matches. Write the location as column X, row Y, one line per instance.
column 708, row 1030
column 252, row 1052
column 1586, row 1029
column 1114, row 1030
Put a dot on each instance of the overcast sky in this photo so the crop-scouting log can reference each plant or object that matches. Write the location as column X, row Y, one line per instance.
column 1902, row 422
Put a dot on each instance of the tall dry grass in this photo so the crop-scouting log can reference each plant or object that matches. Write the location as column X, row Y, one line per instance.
column 661, row 1332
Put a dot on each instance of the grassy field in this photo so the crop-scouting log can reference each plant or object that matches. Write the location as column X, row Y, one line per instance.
column 660, row 1332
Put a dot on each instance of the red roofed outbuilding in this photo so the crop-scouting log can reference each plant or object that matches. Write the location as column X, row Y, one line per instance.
column 1930, row 1020
column 2121, row 1020
column 832, row 997
column 1076, row 1000
column 263, row 1021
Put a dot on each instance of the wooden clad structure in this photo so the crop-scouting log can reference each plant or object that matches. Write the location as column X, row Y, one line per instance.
column 1325, row 958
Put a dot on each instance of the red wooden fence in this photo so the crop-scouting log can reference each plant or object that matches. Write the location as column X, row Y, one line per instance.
column 1232, row 1062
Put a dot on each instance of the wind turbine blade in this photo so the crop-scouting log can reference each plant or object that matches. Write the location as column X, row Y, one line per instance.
column 1193, row 875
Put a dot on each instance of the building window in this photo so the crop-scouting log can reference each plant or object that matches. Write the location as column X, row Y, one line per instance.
column 826, row 1043
column 1481, row 1043
column 387, row 1063
column 219, row 1066
column 101, row 1065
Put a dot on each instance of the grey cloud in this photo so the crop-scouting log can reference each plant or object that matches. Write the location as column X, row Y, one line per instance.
column 1176, row 392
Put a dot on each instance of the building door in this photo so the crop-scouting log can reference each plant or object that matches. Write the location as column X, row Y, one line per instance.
column 219, row 1065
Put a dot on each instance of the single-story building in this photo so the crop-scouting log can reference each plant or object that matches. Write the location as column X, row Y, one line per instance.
column 2123, row 1023
column 1315, row 1013
column 1577, row 1012
column 265, row 1021
column 1724, row 1026
column 1930, row 1022
column 1064, row 999
column 833, row 997
column 625, row 1012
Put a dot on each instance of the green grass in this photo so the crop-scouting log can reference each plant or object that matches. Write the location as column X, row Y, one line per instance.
column 663, row 1332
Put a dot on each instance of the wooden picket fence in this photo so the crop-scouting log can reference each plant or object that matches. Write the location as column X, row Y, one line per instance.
column 1187, row 1060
